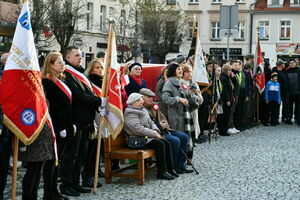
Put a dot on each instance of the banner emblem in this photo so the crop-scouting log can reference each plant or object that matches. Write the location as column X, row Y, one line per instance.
column 28, row 117
column 24, row 21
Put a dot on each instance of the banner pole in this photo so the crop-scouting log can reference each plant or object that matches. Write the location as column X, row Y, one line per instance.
column 105, row 88
column 15, row 167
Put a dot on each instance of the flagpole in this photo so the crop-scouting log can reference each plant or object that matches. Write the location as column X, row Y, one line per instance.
column 105, row 83
column 258, row 94
column 15, row 167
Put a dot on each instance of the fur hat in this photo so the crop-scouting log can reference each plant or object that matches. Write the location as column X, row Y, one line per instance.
column 133, row 65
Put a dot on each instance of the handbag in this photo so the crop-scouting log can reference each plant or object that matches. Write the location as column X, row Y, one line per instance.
column 193, row 102
column 136, row 142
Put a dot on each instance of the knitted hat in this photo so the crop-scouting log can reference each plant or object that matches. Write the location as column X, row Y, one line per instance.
column 274, row 74
column 133, row 65
column 133, row 98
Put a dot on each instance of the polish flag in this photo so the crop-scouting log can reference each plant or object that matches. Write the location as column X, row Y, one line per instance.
column 111, row 88
column 258, row 70
column 22, row 97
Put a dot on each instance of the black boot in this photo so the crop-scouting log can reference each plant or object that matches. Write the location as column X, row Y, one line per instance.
column 25, row 197
column 47, row 195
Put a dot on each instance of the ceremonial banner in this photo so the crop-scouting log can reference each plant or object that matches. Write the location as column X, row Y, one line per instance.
column 258, row 70
column 196, row 59
column 111, row 89
column 22, row 96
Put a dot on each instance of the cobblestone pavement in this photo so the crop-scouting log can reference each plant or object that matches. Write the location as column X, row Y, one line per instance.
column 260, row 163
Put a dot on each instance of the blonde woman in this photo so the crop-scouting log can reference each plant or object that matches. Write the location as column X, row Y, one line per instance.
column 59, row 98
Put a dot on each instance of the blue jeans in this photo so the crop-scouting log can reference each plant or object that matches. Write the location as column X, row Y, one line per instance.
column 178, row 140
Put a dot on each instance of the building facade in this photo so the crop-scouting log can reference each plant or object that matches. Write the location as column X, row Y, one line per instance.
column 278, row 22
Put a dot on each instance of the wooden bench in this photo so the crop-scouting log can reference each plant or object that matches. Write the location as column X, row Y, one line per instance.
column 117, row 149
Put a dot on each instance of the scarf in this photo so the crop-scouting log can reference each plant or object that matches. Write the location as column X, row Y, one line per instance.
column 137, row 79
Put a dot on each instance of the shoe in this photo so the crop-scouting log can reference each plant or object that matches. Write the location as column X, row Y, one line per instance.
column 273, row 124
column 100, row 173
column 57, row 196
column 179, row 171
column 236, row 130
column 185, row 170
column 90, row 183
column 224, row 134
column 231, row 131
column 173, row 173
column 81, row 189
column 165, row 176
column 68, row 191
column 266, row 124
column 288, row 122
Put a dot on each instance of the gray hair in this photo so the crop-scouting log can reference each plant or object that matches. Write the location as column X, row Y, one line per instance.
column 3, row 58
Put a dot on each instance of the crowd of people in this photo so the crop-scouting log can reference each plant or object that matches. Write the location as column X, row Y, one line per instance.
column 172, row 120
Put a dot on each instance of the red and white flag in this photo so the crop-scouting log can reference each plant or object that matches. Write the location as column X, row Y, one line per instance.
column 111, row 89
column 258, row 70
column 22, row 97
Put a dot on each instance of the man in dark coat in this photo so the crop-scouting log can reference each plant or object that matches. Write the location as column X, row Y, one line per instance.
column 293, row 77
column 283, row 81
column 84, row 105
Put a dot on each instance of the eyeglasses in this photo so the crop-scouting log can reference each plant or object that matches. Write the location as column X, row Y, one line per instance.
column 60, row 63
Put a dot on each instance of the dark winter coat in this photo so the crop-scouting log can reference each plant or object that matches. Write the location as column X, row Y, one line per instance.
column 84, row 102
column 228, row 89
column 283, row 80
column 60, row 108
column 96, row 79
column 293, row 76
column 133, row 86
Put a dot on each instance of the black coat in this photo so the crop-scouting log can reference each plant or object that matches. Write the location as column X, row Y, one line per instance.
column 228, row 90
column 96, row 79
column 84, row 102
column 282, row 80
column 293, row 77
column 60, row 107
column 133, row 86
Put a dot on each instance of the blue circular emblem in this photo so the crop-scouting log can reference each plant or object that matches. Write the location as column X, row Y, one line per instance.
column 28, row 117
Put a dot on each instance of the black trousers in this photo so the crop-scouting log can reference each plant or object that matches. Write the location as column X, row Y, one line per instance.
column 272, row 114
column 5, row 151
column 294, row 100
column 73, row 158
column 223, row 119
column 239, row 113
column 163, row 154
column 285, row 107
column 31, row 180
column 203, row 112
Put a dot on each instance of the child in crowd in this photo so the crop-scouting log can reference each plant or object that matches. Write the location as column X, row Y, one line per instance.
column 273, row 100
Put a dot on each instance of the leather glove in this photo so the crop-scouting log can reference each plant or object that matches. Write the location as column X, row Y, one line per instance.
column 22, row 149
column 63, row 133
column 103, row 102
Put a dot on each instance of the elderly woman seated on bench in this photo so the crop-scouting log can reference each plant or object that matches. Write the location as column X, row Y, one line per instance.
column 139, row 124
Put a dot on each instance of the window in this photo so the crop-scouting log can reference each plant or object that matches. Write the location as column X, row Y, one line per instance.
column 285, row 30
column 295, row 2
column 191, row 28
column 89, row 17
column 216, row 1
column 264, row 30
column 103, row 19
column 193, row 1
column 241, row 30
column 240, row 1
column 215, row 30
column 171, row 2
column 275, row 2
